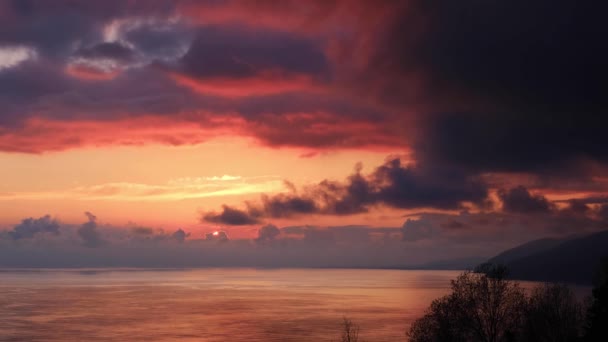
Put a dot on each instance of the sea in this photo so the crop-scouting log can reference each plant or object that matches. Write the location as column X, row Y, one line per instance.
column 224, row 304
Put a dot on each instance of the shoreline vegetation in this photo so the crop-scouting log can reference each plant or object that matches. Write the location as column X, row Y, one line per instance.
column 486, row 306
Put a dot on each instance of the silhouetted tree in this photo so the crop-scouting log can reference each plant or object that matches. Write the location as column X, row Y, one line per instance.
column 482, row 307
column 350, row 331
column 596, row 328
column 553, row 314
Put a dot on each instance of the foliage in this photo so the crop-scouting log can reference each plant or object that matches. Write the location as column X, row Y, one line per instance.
column 480, row 308
column 596, row 328
column 486, row 307
column 350, row 331
column 553, row 314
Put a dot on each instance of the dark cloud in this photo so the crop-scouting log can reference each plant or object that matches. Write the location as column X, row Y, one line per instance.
column 88, row 232
column 316, row 236
column 296, row 230
column 55, row 27
column 392, row 184
column 142, row 231
column 588, row 200
column 525, row 97
column 427, row 186
column 180, row 235
column 453, row 224
column 510, row 92
column 471, row 88
column 603, row 212
column 267, row 233
column 30, row 227
column 230, row 216
column 162, row 42
column 236, row 53
column 520, row 200
column 419, row 229
column 426, row 238
column 510, row 143
column 478, row 46
column 26, row 83
column 286, row 205
column 106, row 50
column 577, row 207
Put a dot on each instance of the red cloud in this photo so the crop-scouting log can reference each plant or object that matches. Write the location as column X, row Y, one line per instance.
column 265, row 83
column 314, row 130
column 42, row 135
column 86, row 73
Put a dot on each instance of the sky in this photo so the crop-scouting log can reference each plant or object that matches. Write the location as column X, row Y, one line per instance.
column 352, row 133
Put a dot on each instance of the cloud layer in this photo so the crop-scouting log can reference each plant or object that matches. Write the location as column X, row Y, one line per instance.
column 424, row 239
column 499, row 106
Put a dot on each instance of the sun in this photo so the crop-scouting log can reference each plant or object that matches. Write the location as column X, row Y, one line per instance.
column 216, row 233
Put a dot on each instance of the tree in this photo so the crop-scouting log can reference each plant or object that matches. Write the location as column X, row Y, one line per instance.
column 553, row 314
column 350, row 331
column 596, row 328
column 482, row 307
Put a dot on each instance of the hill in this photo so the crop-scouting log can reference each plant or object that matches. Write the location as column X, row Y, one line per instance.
column 572, row 260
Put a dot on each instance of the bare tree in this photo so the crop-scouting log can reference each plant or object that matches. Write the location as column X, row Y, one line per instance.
column 596, row 328
column 553, row 314
column 350, row 331
column 481, row 307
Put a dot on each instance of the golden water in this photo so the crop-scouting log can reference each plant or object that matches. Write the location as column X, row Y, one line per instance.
column 213, row 304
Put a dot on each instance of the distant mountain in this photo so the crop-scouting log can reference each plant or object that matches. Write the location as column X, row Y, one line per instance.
column 525, row 250
column 451, row 264
column 571, row 260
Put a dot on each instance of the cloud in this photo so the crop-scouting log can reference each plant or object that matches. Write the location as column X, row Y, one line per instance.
column 106, row 51
column 432, row 82
column 423, row 238
column 467, row 92
column 267, row 233
column 99, row 65
column 414, row 230
column 165, row 41
column 230, row 216
column 603, row 212
column 391, row 184
column 219, row 236
column 12, row 56
column 30, row 227
column 142, row 231
column 504, row 103
column 519, row 200
column 173, row 190
column 180, row 235
column 577, row 207
column 88, row 232
column 453, row 224
column 234, row 53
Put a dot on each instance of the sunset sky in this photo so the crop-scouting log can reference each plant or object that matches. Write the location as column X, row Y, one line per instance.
column 470, row 124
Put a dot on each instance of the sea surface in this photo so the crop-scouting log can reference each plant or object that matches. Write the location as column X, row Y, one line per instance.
column 213, row 304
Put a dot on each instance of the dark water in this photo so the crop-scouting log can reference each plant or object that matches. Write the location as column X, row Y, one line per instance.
column 213, row 304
